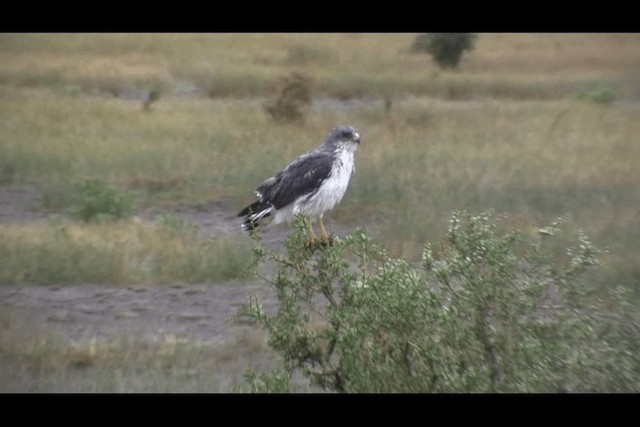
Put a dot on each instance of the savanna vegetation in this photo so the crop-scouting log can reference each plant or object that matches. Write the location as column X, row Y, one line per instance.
column 534, row 127
column 493, row 312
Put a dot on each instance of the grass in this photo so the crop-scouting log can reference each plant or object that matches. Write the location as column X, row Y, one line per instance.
column 41, row 360
column 56, row 140
column 515, row 158
column 117, row 253
column 534, row 160
column 532, row 126
column 244, row 64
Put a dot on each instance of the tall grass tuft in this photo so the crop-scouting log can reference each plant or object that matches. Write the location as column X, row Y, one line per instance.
column 291, row 98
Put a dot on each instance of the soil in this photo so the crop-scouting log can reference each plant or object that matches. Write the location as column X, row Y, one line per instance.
column 201, row 312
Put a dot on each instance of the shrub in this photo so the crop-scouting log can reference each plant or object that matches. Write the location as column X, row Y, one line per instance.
column 151, row 96
column 292, row 97
column 599, row 94
column 445, row 48
column 95, row 201
column 490, row 313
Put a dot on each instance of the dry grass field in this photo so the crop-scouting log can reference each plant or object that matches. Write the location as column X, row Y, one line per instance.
column 532, row 126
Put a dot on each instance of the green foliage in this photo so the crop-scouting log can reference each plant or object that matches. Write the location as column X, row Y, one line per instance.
column 95, row 201
column 598, row 94
column 489, row 313
column 277, row 381
column 445, row 48
column 292, row 96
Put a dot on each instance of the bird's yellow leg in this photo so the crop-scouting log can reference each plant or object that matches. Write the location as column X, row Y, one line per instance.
column 324, row 236
column 312, row 239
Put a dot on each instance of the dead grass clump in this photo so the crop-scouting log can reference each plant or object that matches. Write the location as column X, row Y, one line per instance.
column 292, row 97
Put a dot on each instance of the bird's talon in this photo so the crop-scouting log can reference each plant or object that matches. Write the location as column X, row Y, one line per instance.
column 326, row 241
column 312, row 243
column 319, row 242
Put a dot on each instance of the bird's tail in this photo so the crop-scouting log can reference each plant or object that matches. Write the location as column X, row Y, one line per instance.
column 254, row 213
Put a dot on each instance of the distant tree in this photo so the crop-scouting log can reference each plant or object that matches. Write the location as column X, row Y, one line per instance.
column 445, row 48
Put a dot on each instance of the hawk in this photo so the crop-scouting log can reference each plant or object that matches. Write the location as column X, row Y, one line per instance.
column 312, row 184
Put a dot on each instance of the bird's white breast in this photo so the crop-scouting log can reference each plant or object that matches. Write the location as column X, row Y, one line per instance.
column 330, row 192
column 333, row 188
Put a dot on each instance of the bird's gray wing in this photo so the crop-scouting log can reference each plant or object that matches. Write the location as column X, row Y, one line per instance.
column 267, row 184
column 302, row 177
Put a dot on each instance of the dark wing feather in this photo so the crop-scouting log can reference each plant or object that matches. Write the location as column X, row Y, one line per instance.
column 301, row 177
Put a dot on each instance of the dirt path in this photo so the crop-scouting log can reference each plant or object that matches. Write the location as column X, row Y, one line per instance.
column 201, row 312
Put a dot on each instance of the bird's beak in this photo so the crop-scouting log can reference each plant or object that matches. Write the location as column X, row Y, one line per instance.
column 357, row 137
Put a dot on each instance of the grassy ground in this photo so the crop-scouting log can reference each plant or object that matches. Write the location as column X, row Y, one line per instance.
column 42, row 360
column 504, row 132
column 127, row 252
column 526, row 127
column 245, row 64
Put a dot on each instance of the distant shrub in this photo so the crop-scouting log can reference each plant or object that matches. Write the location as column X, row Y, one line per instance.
column 445, row 48
column 151, row 96
column 489, row 313
column 291, row 98
column 599, row 94
column 94, row 201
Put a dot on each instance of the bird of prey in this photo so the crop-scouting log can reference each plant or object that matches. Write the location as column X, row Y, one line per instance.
column 312, row 184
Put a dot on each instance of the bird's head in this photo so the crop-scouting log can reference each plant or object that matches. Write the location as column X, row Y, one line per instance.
column 343, row 135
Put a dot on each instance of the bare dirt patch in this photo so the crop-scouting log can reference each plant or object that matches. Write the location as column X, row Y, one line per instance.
column 202, row 312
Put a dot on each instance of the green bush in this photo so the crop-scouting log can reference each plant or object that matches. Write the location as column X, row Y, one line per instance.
column 445, row 48
column 489, row 313
column 599, row 94
column 95, row 201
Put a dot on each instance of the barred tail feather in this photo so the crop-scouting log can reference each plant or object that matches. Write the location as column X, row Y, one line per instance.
column 254, row 213
column 249, row 210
